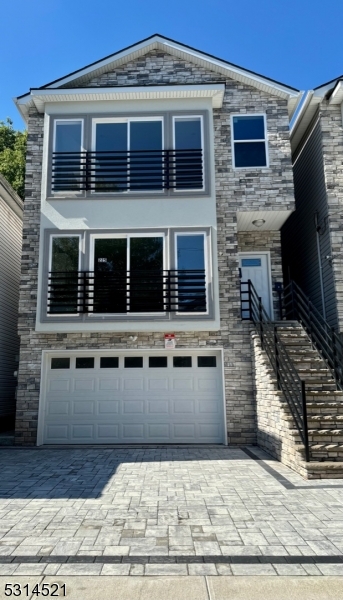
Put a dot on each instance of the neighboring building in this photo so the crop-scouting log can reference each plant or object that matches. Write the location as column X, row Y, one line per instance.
column 153, row 176
column 312, row 238
column 11, row 223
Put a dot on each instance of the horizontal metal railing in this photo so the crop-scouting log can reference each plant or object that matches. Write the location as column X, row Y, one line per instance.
column 288, row 380
column 123, row 171
column 323, row 336
column 182, row 291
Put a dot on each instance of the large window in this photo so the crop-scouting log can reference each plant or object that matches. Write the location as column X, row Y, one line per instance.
column 135, row 274
column 159, row 154
column 249, row 141
column 128, row 274
column 127, row 155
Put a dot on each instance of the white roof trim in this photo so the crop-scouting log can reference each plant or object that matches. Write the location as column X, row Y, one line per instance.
column 337, row 95
column 83, row 76
column 39, row 97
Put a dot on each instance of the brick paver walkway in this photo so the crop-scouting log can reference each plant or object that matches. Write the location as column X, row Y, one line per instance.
column 179, row 511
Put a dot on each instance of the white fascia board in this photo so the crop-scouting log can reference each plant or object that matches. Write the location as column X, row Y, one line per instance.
column 304, row 118
column 337, row 95
column 41, row 97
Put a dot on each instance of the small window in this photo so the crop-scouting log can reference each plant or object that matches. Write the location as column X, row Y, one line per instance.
column 63, row 296
column 156, row 362
column 207, row 361
column 109, row 362
column 188, row 153
column 182, row 361
column 133, row 362
column 249, row 141
column 191, row 288
column 251, row 262
column 67, row 160
column 85, row 362
column 60, row 363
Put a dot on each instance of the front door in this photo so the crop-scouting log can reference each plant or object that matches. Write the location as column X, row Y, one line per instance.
column 256, row 268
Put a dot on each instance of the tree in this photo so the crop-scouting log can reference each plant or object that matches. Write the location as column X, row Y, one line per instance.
column 12, row 155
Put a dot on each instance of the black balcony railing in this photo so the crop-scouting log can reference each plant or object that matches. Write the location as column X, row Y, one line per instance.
column 125, row 171
column 130, row 292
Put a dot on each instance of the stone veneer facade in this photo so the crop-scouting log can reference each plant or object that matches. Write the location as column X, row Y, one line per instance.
column 268, row 189
column 332, row 147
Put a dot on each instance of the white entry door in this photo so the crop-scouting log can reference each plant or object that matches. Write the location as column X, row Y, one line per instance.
column 130, row 398
column 256, row 268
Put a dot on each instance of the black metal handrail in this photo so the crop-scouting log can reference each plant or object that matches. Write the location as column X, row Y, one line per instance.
column 124, row 171
column 182, row 291
column 299, row 307
column 288, row 380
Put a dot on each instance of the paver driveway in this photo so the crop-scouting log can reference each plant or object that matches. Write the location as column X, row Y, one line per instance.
column 212, row 510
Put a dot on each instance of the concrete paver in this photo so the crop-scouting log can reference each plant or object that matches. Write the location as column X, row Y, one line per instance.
column 188, row 510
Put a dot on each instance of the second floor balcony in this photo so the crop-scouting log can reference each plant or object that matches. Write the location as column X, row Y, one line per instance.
column 127, row 171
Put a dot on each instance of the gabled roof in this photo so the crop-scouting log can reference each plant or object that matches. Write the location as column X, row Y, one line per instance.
column 332, row 91
column 80, row 78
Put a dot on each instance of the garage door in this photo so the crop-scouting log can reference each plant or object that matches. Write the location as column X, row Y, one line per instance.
column 132, row 398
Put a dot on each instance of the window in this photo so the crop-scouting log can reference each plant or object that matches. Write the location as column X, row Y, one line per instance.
column 158, row 362
column 60, row 363
column 191, row 281
column 133, row 362
column 109, row 362
column 182, row 361
column 188, row 145
column 207, row 361
column 128, row 274
column 63, row 294
column 163, row 274
column 127, row 155
column 84, row 362
column 68, row 160
column 249, row 141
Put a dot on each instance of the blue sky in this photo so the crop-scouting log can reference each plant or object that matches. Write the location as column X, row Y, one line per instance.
column 298, row 42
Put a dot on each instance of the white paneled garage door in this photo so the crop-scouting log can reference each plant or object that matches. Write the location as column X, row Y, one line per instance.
column 111, row 398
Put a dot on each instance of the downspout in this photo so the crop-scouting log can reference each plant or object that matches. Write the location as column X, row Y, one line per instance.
column 318, row 228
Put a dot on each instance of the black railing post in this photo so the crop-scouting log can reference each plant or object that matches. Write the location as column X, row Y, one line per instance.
column 294, row 316
column 260, row 316
column 250, row 300
column 83, row 291
column 304, row 411
column 168, row 305
column 309, row 309
column 87, row 168
column 277, row 364
column 167, row 169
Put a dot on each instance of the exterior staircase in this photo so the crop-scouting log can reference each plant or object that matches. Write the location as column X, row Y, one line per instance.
column 324, row 404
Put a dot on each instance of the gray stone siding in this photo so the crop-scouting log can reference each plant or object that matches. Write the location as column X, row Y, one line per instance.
column 270, row 188
column 332, row 139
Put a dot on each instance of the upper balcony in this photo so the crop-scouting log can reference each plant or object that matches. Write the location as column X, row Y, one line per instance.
column 125, row 171
column 160, row 154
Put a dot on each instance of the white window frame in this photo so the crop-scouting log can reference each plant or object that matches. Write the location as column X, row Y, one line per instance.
column 188, row 117
column 82, row 149
column 206, row 264
column 265, row 140
column 127, row 236
column 127, row 120
column 51, row 239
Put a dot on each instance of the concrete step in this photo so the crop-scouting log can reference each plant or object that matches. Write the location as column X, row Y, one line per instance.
column 321, row 436
column 324, row 451
column 324, row 469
